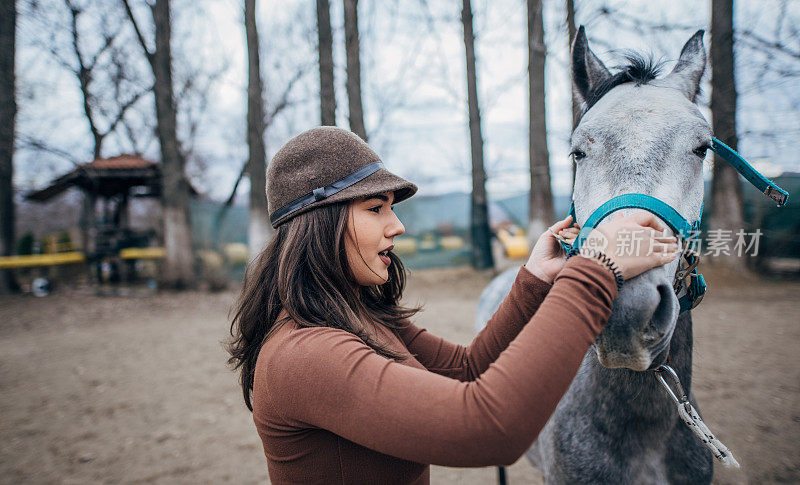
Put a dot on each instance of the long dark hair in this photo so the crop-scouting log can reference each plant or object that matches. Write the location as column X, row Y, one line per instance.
column 304, row 270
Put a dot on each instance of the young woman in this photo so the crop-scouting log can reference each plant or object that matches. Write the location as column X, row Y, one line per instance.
column 344, row 388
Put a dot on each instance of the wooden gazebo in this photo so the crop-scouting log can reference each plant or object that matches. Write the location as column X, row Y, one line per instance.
column 112, row 181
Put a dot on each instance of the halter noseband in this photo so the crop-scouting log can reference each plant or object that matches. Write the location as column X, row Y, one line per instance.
column 689, row 295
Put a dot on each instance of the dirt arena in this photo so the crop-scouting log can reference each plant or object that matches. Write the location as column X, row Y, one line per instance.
column 135, row 390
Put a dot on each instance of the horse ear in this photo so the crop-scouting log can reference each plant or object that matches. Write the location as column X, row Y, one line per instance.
column 588, row 71
column 687, row 73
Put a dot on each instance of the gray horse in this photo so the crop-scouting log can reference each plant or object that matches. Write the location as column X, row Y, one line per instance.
column 638, row 133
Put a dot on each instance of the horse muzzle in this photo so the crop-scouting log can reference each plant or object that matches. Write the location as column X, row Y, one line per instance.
column 641, row 324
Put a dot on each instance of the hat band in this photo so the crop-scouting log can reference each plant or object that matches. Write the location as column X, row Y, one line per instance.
column 324, row 192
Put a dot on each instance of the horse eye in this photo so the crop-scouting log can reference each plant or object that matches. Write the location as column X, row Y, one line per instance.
column 701, row 151
column 579, row 155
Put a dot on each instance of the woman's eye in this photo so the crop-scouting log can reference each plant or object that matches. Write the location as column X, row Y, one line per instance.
column 701, row 151
column 376, row 209
column 579, row 155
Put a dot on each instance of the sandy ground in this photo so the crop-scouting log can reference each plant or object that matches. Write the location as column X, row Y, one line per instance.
column 135, row 390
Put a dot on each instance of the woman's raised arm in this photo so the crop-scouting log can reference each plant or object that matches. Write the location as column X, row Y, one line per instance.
column 328, row 378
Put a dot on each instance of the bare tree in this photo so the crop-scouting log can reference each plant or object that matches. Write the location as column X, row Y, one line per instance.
column 8, row 114
column 259, row 230
column 179, row 263
column 84, row 71
column 479, row 212
column 356, row 114
column 572, row 31
column 86, row 40
column 576, row 108
column 283, row 79
column 727, row 210
column 540, row 197
column 327, row 93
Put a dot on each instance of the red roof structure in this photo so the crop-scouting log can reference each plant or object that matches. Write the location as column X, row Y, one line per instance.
column 121, row 162
column 107, row 177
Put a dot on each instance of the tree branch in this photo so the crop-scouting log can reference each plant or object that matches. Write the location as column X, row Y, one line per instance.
column 139, row 35
column 30, row 142
column 109, row 40
column 284, row 102
column 124, row 108
column 74, row 13
column 230, row 198
column 640, row 23
column 753, row 38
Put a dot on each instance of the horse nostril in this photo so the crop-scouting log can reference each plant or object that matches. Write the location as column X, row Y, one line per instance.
column 664, row 314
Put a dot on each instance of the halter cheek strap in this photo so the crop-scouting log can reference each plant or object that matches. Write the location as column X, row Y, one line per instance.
column 765, row 185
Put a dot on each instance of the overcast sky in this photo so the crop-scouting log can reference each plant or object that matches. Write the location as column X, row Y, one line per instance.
column 414, row 85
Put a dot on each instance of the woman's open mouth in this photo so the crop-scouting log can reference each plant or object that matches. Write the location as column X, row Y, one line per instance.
column 384, row 255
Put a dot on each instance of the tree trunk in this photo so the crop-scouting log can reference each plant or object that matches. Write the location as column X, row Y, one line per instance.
column 327, row 94
column 726, row 190
column 479, row 216
column 8, row 114
column 572, row 31
column 356, row 114
column 259, row 230
column 540, row 198
column 178, row 271
column 576, row 108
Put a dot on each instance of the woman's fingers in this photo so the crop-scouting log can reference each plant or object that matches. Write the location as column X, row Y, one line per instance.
column 562, row 224
column 670, row 248
column 569, row 236
column 647, row 219
column 667, row 257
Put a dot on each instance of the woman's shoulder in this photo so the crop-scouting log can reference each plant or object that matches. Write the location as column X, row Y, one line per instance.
column 295, row 355
column 292, row 343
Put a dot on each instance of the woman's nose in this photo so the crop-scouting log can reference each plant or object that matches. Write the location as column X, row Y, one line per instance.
column 396, row 228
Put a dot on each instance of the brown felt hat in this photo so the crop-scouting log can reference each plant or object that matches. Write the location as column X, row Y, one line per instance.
column 325, row 165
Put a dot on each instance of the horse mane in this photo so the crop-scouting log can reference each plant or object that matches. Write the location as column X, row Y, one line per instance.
column 639, row 69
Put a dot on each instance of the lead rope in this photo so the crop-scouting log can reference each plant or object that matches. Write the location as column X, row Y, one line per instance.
column 690, row 416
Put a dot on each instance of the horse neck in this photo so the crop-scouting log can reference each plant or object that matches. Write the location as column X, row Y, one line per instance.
column 640, row 394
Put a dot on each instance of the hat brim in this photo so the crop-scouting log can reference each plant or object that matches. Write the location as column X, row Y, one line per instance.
column 379, row 182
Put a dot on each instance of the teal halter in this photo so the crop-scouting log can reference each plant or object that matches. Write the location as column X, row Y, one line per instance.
column 689, row 296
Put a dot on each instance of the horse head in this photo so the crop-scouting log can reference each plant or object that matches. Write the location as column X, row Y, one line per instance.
column 639, row 133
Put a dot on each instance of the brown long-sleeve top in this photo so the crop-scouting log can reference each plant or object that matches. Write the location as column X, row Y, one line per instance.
column 329, row 409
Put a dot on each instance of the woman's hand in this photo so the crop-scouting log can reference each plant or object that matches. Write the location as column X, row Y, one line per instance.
column 547, row 258
column 652, row 247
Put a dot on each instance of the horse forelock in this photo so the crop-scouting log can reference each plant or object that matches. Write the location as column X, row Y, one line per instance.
column 640, row 69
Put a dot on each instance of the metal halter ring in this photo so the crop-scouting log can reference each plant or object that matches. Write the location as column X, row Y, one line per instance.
column 692, row 259
column 665, row 369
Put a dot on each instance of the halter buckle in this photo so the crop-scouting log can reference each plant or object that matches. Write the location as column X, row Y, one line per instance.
column 778, row 197
column 697, row 288
column 692, row 259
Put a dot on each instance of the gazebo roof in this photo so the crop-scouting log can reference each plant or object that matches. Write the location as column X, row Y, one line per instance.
column 121, row 162
column 107, row 177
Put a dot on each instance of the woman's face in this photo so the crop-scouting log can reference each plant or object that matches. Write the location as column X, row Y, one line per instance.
column 371, row 228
